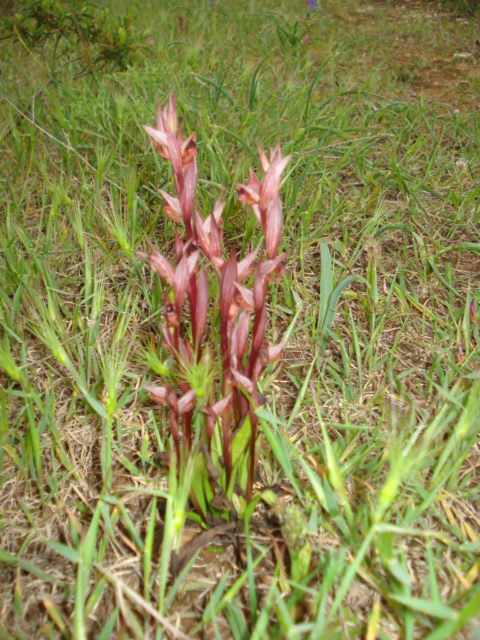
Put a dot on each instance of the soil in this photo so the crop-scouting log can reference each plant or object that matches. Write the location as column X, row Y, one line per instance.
column 445, row 68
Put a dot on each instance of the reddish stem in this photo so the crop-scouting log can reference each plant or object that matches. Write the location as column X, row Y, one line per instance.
column 254, row 425
column 227, row 444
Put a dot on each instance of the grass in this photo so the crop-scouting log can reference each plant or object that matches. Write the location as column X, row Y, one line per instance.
column 372, row 420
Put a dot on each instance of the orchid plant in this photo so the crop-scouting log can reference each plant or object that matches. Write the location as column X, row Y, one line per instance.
column 212, row 400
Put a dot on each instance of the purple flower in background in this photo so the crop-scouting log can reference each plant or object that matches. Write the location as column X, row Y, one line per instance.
column 212, row 3
column 312, row 4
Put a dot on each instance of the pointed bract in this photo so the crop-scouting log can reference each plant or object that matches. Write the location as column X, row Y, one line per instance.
column 184, row 355
column 221, row 407
column 178, row 246
column 203, row 238
column 186, row 402
column 259, row 290
column 227, row 289
column 201, row 306
column 171, row 114
column 242, row 381
column 273, row 177
column 274, row 352
column 244, row 297
column 274, row 227
column 245, row 266
column 218, row 208
column 241, row 329
column 171, row 206
column 246, row 194
column 174, row 152
column 263, row 159
column 161, row 266
column 215, row 242
column 180, row 282
column 276, row 266
column 157, row 136
column 189, row 150
column 192, row 261
column 158, row 393
column 188, row 192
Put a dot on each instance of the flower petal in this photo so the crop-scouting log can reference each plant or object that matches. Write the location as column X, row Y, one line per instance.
column 174, row 152
column 222, row 406
column 273, row 177
column 244, row 297
column 263, row 159
column 274, row 352
column 187, row 195
column 158, row 393
column 218, row 208
column 274, row 227
column 242, row 381
column 179, row 246
column 180, row 282
column 245, row 266
column 192, row 260
column 202, row 237
column 259, row 290
column 215, row 242
column 277, row 266
column 161, row 266
column 189, row 150
column 241, row 330
column 171, row 206
column 247, row 195
column 227, row 279
column 186, row 402
column 158, row 136
column 171, row 114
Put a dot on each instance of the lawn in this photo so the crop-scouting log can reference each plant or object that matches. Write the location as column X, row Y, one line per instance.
column 367, row 523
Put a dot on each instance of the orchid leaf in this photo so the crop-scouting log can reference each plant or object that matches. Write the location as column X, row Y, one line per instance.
column 198, row 490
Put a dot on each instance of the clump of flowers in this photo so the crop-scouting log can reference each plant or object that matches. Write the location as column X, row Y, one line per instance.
column 211, row 390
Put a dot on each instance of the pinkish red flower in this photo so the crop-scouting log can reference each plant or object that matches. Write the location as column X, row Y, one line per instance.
column 171, row 206
column 246, row 266
column 209, row 236
column 273, row 176
column 244, row 297
column 264, row 197
column 243, row 358
column 186, row 402
column 242, row 381
column 161, row 265
column 239, row 339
